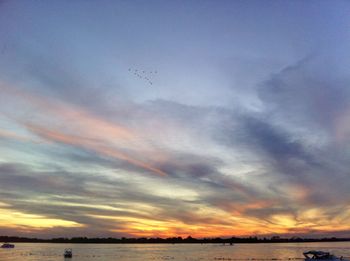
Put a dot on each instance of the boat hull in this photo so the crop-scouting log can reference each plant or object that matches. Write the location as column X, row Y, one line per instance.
column 8, row 246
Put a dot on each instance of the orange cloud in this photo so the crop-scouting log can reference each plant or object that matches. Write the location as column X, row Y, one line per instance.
column 94, row 133
column 12, row 135
column 90, row 145
column 14, row 219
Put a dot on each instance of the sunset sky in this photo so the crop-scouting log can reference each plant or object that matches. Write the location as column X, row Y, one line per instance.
column 174, row 118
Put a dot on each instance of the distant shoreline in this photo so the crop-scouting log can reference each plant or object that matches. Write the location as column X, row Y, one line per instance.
column 172, row 240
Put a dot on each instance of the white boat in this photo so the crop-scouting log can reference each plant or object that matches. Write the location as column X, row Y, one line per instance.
column 7, row 245
column 68, row 253
column 320, row 255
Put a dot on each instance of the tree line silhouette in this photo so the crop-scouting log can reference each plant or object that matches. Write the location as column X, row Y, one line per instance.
column 170, row 240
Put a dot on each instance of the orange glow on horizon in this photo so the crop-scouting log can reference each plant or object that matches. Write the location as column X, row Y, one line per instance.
column 150, row 227
column 14, row 219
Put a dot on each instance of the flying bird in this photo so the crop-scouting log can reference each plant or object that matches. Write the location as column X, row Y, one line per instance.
column 143, row 74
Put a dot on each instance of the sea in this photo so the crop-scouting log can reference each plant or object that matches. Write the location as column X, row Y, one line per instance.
column 160, row 252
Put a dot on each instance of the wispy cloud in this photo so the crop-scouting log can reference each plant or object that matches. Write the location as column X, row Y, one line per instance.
column 243, row 132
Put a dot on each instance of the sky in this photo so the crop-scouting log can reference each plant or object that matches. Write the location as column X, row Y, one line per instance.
column 174, row 118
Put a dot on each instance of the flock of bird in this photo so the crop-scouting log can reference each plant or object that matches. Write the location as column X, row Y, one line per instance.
column 144, row 75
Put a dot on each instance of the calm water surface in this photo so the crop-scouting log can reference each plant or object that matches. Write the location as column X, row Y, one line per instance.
column 138, row 252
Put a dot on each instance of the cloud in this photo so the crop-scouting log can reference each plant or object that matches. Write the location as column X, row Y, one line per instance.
column 212, row 168
column 88, row 144
column 291, row 142
column 308, row 92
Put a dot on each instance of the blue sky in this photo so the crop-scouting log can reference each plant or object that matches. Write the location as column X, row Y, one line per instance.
column 158, row 118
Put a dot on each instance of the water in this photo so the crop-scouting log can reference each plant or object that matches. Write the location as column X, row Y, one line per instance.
column 182, row 252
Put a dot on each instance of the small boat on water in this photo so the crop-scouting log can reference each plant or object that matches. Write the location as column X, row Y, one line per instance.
column 320, row 255
column 7, row 245
column 68, row 253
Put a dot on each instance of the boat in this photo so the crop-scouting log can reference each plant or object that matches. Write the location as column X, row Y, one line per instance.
column 320, row 255
column 7, row 245
column 68, row 253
